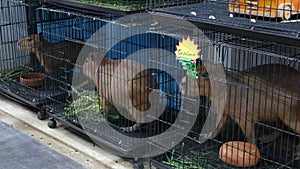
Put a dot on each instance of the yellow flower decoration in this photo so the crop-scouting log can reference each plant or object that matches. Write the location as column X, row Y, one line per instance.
column 187, row 49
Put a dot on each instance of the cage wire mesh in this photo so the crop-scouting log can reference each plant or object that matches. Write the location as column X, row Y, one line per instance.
column 262, row 79
column 20, row 78
column 82, row 107
column 157, row 79
column 64, row 35
column 266, row 19
column 245, row 18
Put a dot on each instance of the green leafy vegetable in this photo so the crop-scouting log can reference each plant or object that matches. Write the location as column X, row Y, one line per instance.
column 87, row 105
column 16, row 72
column 115, row 4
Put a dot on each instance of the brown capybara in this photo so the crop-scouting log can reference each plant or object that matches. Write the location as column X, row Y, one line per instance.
column 132, row 94
column 53, row 56
column 258, row 95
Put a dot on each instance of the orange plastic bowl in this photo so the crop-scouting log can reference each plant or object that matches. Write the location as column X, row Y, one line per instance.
column 32, row 79
column 239, row 154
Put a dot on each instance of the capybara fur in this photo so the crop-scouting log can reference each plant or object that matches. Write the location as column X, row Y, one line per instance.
column 262, row 93
column 111, row 85
column 53, row 56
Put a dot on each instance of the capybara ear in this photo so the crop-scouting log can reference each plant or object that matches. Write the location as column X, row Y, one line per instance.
column 201, row 69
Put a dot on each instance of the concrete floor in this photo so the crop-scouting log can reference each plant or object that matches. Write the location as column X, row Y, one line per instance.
column 63, row 141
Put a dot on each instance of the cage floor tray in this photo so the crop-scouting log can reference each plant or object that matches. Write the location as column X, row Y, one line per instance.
column 206, row 155
column 111, row 139
column 274, row 154
column 28, row 96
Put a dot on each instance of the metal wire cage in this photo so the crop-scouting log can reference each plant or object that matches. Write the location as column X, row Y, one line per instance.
column 262, row 85
column 78, row 73
column 64, row 34
column 258, row 76
column 20, row 71
column 262, row 19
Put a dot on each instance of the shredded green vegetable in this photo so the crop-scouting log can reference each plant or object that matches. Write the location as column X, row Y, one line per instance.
column 115, row 4
column 87, row 105
column 180, row 162
column 16, row 72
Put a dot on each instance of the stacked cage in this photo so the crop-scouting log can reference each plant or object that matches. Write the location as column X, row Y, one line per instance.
column 263, row 19
column 111, row 77
column 64, row 35
column 73, row 41
column 21, row 72
column 249, row 92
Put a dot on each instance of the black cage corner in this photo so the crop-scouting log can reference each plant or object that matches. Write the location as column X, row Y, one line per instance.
column 20, row 71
